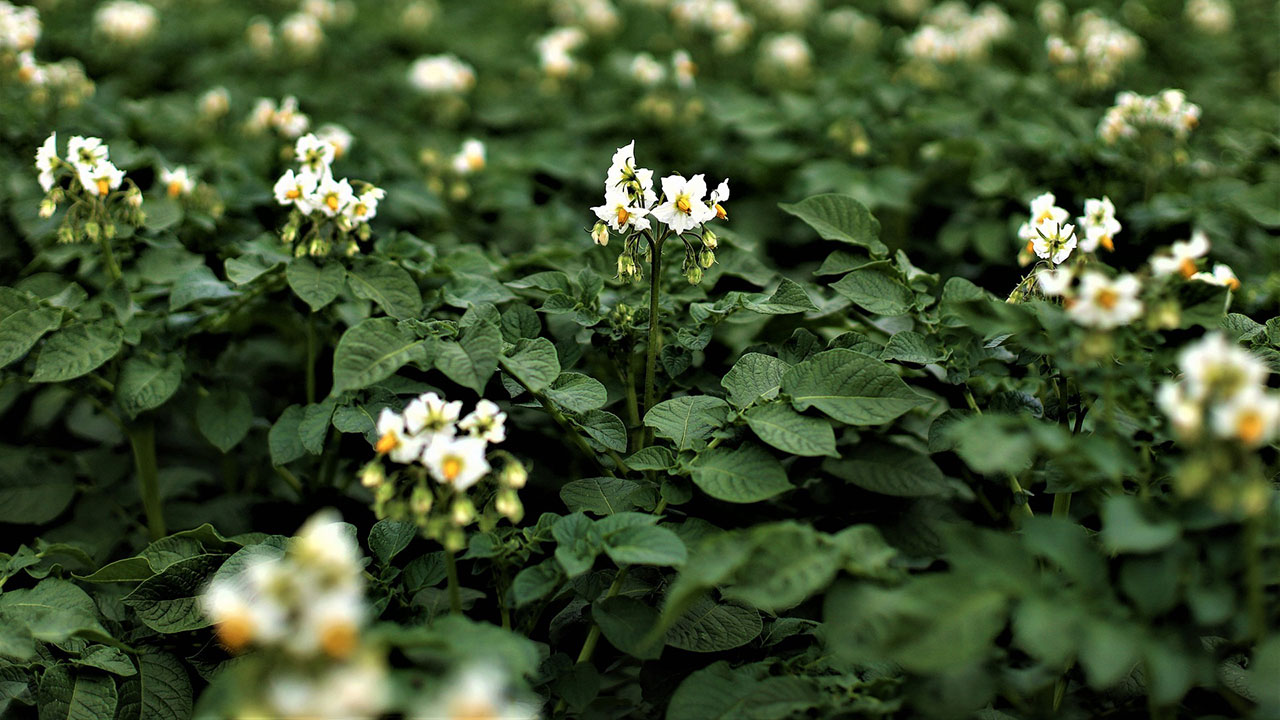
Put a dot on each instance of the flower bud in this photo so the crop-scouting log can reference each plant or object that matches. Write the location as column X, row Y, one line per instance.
column 92, row 229
column 372, row 475
column 508, row 504
column 289, row 233
column 693, row 274
column 108, row 231
column 134, row 198
column 706, row 258
column 626, row 266
column 709, row 240
column 454, row 540
column 319, row 247
column 600, row 233
column 66, row 235
column 463, row 511
column 421, row 500
column 352, row 249
column 47, row 207
column 514, row 475
column 363, row 232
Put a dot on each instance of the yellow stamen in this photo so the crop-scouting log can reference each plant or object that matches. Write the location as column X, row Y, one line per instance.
column 475, row 162
column 235, row 633
column 1106, row 298
column 1233, row 284
column 387, row 443
column 338, row 639
column 1187, row 267
column 104, row 186
column 175, row 188
column 293, row 194
column 623, row 215
column 1249, row 428
column 720, row 213
column 682, row 204
column 332, row 201
column 1031, row 246
column 1105, row 241
column 361, row 209
column 451, row 468
column 1044, row 215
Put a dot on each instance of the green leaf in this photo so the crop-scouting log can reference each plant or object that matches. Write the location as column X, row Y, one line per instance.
column 372, row 351
column 20, row 331
column 912, row 347
column 891, row 470
column 473, row 358
column 316, row 285
column 388, row 537
column 787, row 299
column 709, row 626
column 789, row 431
column 314, row 426
column 224, row 417
column 387, row 284
column 53, row 611
column 197, row 285
column 687, row 420
column 77, row 350
column 753, row 377
column 742, row 475
column 601, row 495
column 875, row 292
column 145, row 383
column 654, row 457
column 645, row 545
column 163, row 213
column 107, row 659
column 578, row 541
column 841, row 218
column 535, row 582
column 165, row 687
column 850, row 387
column 168, row 602
column 605, row 429
column 718, row 692
column 79, row 696
column 533, row 363
column 284, row 440
column 577, row 393
column 627, row 624
column 1126, row 528
column 33, row 490
column 16, row 643
column 247, row 268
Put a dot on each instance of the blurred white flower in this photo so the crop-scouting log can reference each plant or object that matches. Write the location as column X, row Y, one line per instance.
column 431, row 414
column 19, row 27
column 439, row 74
column 1105, row 303
column 1251, row 417
column 469, row 159
column 177, row 182
column 1099, row 223
column 314, row 154
column 215, row 103
column 1055, row 282
column 646, row 70
column 486, row 422
column 332, row 196
column 296, row 189
column 46, row 160
column 458, row 461
column 1222, row 275
column 1182, row 257
column 125, row 21
column 478, row 691
column 302, row 33
column 395, row 442
column 337, row 136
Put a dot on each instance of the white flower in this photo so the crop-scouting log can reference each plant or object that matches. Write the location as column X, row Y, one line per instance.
column 486, row 422
column 429, row 413
column 441, row 74
column 684, row 208
column 337, row 136
column 288, row 120
column 1105, row 303
column 215, row 103
column 788, row 51
column 314, row 154
column 683, row 68
column 458, row 461
column 99, row 179
column 1217, row 368
column 478, row 691
column 1054, row 242
column 1222, row 275
column 332, row 196
column 296, row 189
column 395, row 442
column 470, row 159
column 47, row 160
column 1045, row 214
column 1251, row 417
column 718, row 196
column 1182, row 256
column 555, row 50
column 646, row 70
column 1099, row 223
column 177, row 182
column 125, row 21
column 86, row 152
column 1184, row 411
column 365, row 207
column 262, row 115
column 330, row 624
column 623, row 173
column 302, row 32
column 241, row 613
column 619, row 212
column 1055, row 282
column 19, row 27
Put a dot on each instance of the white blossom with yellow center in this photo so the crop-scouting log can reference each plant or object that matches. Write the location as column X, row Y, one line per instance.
column 332, row 196
column 1183, row 256
column 393, row 440
column 177, row 182
column 458, row 461
column 1105, row 303
column 296, row 189
column 683, row 208
column 486, row 422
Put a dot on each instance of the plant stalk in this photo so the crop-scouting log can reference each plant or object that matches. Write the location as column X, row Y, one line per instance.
column 142, row 438
column 455, row 593
column 311, row 359
column 655, row 331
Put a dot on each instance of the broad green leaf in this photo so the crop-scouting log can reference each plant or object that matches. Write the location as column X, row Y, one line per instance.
column 33, row 490
column 599, row 495
column 645, row 545
column 604, row 428
column 284, row 438
column 146, row 383
column 20, row 331
column 168, row 602
column 372, row 351
column 108, row 659
column 247, row 268
column 77, row 350
column 850, row 387
column 314, row 426
column 316, row 285
column 578, row 542
column 534, row 582
column 387, row 284
column 789, row 431
column 912, row 347
column 81, row 695
column 753, row 377
column 687, row 420
column 160, row 691
column 742, row 475
column 627, row 624
column 16, row 643
column 718, row 692
column 709, row 626
column 891, row 470
column 787, row 299
column 577, row 392
column 839, row 217
column 53, row 611
column 388, row 537
column 473, row 358
column 1127, row 528
column 875, row 292
column 533, row 363
column 198, row 285
column 224, row 417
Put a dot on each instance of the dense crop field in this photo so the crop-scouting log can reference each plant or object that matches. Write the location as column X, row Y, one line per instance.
column 682, row 359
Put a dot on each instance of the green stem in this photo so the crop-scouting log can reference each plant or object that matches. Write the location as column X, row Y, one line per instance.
column 574, row 436
column 108, row 257
column 633, row 402
column 289, row 478
column 143, row 439
column 455, row 593
column 655, row 329
column 311, row 358
column 1255, row 598
column 1062, row 504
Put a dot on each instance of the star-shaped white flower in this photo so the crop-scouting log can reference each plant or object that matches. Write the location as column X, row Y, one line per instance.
column 486, row 422
column 296, row 189
column 457, row 461
column 619, row 212
column 1106, row 303
column 395, row 442
column 1099, row 223
column 332, row 196
column 314, row 154
column 684, row 207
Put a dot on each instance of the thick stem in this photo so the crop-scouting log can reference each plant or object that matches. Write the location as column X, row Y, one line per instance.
column 1255, row 599
column 655, row 329
column 143, row 439
column 1062, row 504
column 455, row 593
column 311, row 358
column 109, row 258
column 633, row 403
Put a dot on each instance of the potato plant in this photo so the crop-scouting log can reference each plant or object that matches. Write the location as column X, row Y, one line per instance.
column 639, row 358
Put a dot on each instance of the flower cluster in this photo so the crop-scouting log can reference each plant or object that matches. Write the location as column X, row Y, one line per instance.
column 19, row 27
column 1183, row 258
column 92, row 185
column 304, row 610
column 336, row 213
column 20, row 30
column 597, row 17
column 649, row 72
column 441, row 75
column 1100, row 301
column 1211, row 17
column 555, row 51
column 1047, row 233
column 1094, row 52
column 723, row 19
column 445, row 454
column 952, row 33
column 285, row 118
column 1168, row 111
column 126, row 22
column 1225, row 384
column 477, row 691
column 684, row 207
column 785, row 57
